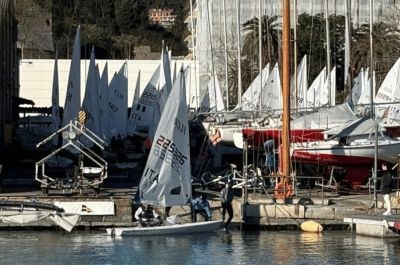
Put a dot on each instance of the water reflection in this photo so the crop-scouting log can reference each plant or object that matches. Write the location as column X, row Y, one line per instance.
column 288, row 247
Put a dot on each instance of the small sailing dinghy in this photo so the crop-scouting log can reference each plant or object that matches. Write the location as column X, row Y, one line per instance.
column 166, row 179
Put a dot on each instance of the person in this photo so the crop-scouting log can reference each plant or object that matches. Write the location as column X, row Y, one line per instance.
column 147, row 216
column 200, row 205
column 227, row 194
column 386, row 187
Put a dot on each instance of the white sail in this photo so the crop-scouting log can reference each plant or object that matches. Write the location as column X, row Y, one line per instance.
column 131, row 126
column 314, row 92
column 333, row 86
column 298, row 99
column 251, row 97
column 118, row 103
column 365, row 97
column 394, row 109
column 166, row 180
column 143, row 111
column 165, row 86
column 174, row 73
column 212, row 100
column 90, row 102
column 357, row 87
column 272, row 92
column 55, row 105
column 103, row 91
column 391, row 84
column 73, row 96
column 205, row 102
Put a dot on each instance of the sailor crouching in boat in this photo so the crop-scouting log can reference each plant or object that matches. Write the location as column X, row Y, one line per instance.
column 146, row 216
column 201, row 206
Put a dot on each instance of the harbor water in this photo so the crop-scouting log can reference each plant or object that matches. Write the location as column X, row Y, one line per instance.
column 261, row 247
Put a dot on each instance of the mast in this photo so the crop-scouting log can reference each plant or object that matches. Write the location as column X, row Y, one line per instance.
column 328, row 54
column 286, row 92
column 194, row 54
column 238, row 54
column 372, row 94
column 347, row 72
column 226, row 56
column 213, row 74
column 296, row 92
column 260, row 48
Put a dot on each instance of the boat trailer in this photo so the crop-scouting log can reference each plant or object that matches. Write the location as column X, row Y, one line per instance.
column 91, row 169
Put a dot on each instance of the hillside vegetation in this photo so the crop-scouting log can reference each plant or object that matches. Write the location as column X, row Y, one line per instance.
column 115, row 27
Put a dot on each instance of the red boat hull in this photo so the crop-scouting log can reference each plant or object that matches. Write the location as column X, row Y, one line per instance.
column 331, row 160
column 257, row 137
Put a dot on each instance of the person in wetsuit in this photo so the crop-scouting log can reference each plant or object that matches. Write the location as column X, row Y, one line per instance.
column 147, row 216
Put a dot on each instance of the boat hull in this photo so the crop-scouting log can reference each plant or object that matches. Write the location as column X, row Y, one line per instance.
column 326, row 153
column 258, row 137
column 189, row 228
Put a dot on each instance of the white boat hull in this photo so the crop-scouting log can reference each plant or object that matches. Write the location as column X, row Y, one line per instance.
column 357, row 153
column 189, row 228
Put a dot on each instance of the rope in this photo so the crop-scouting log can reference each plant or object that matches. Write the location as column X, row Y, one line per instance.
column 280, row 208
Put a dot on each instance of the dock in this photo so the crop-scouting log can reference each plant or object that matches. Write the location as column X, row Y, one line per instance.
column 375, row 225
column 261, row 212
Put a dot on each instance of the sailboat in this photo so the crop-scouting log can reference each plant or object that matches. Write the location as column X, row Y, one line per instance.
column 166, row 179
column 351, row 145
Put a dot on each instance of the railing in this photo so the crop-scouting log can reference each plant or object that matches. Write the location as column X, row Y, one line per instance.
column 302, row 186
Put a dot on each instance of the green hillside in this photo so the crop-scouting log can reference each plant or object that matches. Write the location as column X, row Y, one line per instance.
column 115, row 27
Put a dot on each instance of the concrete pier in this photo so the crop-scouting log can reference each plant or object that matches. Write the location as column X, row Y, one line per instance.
column 261, row 212
column 374, row 225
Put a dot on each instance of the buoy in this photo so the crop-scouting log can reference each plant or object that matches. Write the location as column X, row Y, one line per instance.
column 311, row 226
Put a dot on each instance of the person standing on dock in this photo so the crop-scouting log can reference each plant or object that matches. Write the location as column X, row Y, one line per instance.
column 227, row 194
column 386, row 188
column 201, row 206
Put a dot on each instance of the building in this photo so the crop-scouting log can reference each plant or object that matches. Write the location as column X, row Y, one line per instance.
column 9, row 72
column 36, row 77
column 162, row 17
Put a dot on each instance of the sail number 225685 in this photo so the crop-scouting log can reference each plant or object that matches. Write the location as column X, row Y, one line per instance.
column 166, row 150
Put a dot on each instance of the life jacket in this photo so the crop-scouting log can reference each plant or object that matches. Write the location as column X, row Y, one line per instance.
column 147, row 213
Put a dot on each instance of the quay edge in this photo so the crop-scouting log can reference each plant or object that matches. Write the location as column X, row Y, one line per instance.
column 259, row 214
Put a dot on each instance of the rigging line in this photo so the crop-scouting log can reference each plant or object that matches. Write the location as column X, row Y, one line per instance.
column 280, row 208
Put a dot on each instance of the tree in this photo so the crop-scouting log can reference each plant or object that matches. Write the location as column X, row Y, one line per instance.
column 312, row 41
column 270, row 39
column 386, row 41
column 247, row 68
column 106, row 24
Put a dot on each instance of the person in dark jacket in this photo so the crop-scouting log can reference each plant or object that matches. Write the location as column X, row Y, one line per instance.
column 227, row 194
column 386, row 188
column 201, row 206
column 146, row 216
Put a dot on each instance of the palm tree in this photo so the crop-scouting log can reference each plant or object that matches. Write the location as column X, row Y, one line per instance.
column 270, row 39
column 248, row 70
column 386, row 40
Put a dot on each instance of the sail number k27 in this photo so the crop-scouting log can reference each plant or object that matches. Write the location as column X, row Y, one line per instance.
column 166, row 150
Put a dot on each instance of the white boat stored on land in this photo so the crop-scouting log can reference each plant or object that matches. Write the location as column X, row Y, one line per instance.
column 187, row 228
